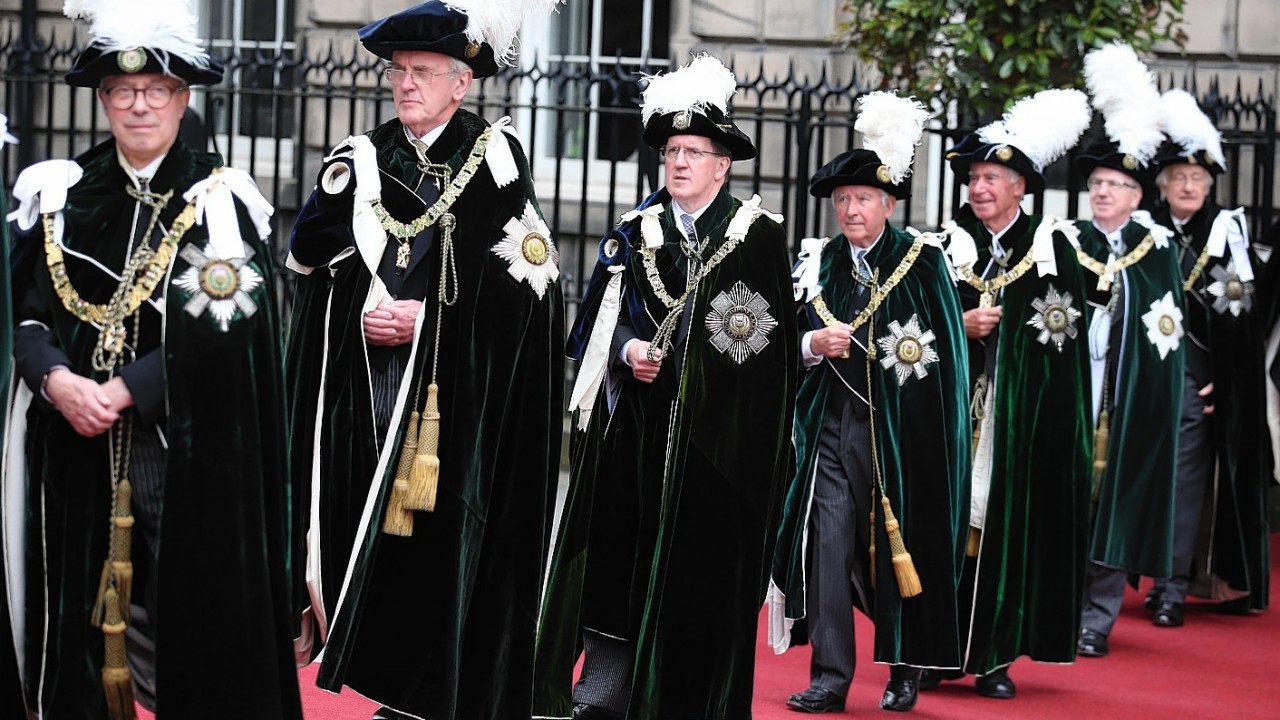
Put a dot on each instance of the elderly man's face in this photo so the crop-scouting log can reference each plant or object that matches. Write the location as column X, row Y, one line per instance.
column 863, row 211
column 1113, row 196
column 144, row 112
column 426, row 89
column 1186, row 187
column 994, row 194
column 694, row 181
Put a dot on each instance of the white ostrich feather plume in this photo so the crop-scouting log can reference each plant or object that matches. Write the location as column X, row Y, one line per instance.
column 497, row 22
column 1044, row 126
column 168, row 27
column 704, row 81
column 1189, row 127
column 891, row 127
column 1124, row 91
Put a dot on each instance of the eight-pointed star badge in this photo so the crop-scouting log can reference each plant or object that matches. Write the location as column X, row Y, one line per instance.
column 1229, row 291
column 908, row 350
column 1054, row 318
column 739, row 322
column 1164, row 324
column 218, row 285
column 529, row 250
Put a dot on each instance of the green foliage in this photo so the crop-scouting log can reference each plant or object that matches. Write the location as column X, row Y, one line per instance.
column 985, row 54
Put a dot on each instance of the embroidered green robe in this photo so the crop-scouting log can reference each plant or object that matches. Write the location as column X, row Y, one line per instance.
column 1029, row 572
column 922, row 444
column 1133, row 517
column 670, row 521
column 439, row 624
column 225, row 614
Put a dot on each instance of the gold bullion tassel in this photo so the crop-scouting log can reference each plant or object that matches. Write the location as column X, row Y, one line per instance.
column 903, row 568
column 425, row 479
column 399, row 519
column 1101, row 439
column 117, row 571
column 116, row 682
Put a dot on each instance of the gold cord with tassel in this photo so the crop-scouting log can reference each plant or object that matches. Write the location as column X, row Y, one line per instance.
column 399, row 519
column 417, row 476
column 1102, row 433
column 904, row 569
column 115, row 592
column 978, row 410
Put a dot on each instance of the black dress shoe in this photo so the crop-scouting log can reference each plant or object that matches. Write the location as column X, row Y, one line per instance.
column 1152, row 600
column 1239, row 606
column 997, row 685
column 583, row 711
column 816, row 700
column 901, row 691
column 931, row 678
column 1092, row 643
column 1168, row 614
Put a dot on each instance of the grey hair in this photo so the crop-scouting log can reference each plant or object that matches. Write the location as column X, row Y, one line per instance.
column 456, row 66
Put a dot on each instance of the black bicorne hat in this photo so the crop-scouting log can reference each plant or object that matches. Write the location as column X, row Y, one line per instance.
column 432, row 26
column 713, row 124
column 1106, row 153
column 857, row 167
column 973, row 149
column 97, row 63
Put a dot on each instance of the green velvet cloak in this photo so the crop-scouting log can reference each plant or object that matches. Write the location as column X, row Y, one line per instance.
column 1133, row 521
column 670, row 522
column 440, row 624
column 923, row 444
column 224, row 623
column 1234, row 547
column 1030, row 569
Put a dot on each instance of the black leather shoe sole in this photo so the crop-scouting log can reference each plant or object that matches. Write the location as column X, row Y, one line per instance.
column 1092, row 644
column 900, row 694
column 930, row 678
column 997, row 685
column 816, row 701
column 1168, row 614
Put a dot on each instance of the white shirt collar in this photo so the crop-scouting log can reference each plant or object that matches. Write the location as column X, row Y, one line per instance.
column 147, row 171
column 855, row 252
column 429, row 139
column 677, row 211
column 996, row 248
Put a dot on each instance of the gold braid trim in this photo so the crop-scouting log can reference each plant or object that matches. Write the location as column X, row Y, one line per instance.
column 1099, row 268
column 675, row 306
column 988, row 288
column 404, row 231
column 144, row 283
column 1201, row 263
column 878, row 292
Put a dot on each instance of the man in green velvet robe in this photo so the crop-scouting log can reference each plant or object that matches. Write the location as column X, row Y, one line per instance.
column 1137, row 357
column 428, row 286
column 1221, row 542
column 881, row 431
column 1023, row 292
column 684, row 399
column 150, row 412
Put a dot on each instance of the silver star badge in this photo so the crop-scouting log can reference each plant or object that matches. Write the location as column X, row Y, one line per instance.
column 739, row 322
column 1229, row 291
column 1054, row 318
column 219, row 285
column 908, row 350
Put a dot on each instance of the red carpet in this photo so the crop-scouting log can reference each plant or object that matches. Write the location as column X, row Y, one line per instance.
column 1217, row 666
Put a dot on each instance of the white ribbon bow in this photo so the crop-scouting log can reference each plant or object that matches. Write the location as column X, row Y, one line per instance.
column 1159, row 233
column 1229, row 230
column 746, row 215
column 42, row 189
column 1042, row 242
column 650, row 224
column 936, row 240
column 213, row 198
column 961, row 247
column 497, row 155
column 804, row 279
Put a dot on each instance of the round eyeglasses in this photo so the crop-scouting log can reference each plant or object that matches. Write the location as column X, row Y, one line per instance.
column 1109, row 185
column 123, row 97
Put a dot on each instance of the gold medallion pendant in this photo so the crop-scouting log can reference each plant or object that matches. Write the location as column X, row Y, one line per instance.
column 908, row 350
column 1054, row 318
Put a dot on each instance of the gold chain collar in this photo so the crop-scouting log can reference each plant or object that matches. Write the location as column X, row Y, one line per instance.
column 1201, row 263
column 1100, row 268
column 138, row 281
column 878, row 292
column 405, row 231
column 675, row 306
column 988, row 288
